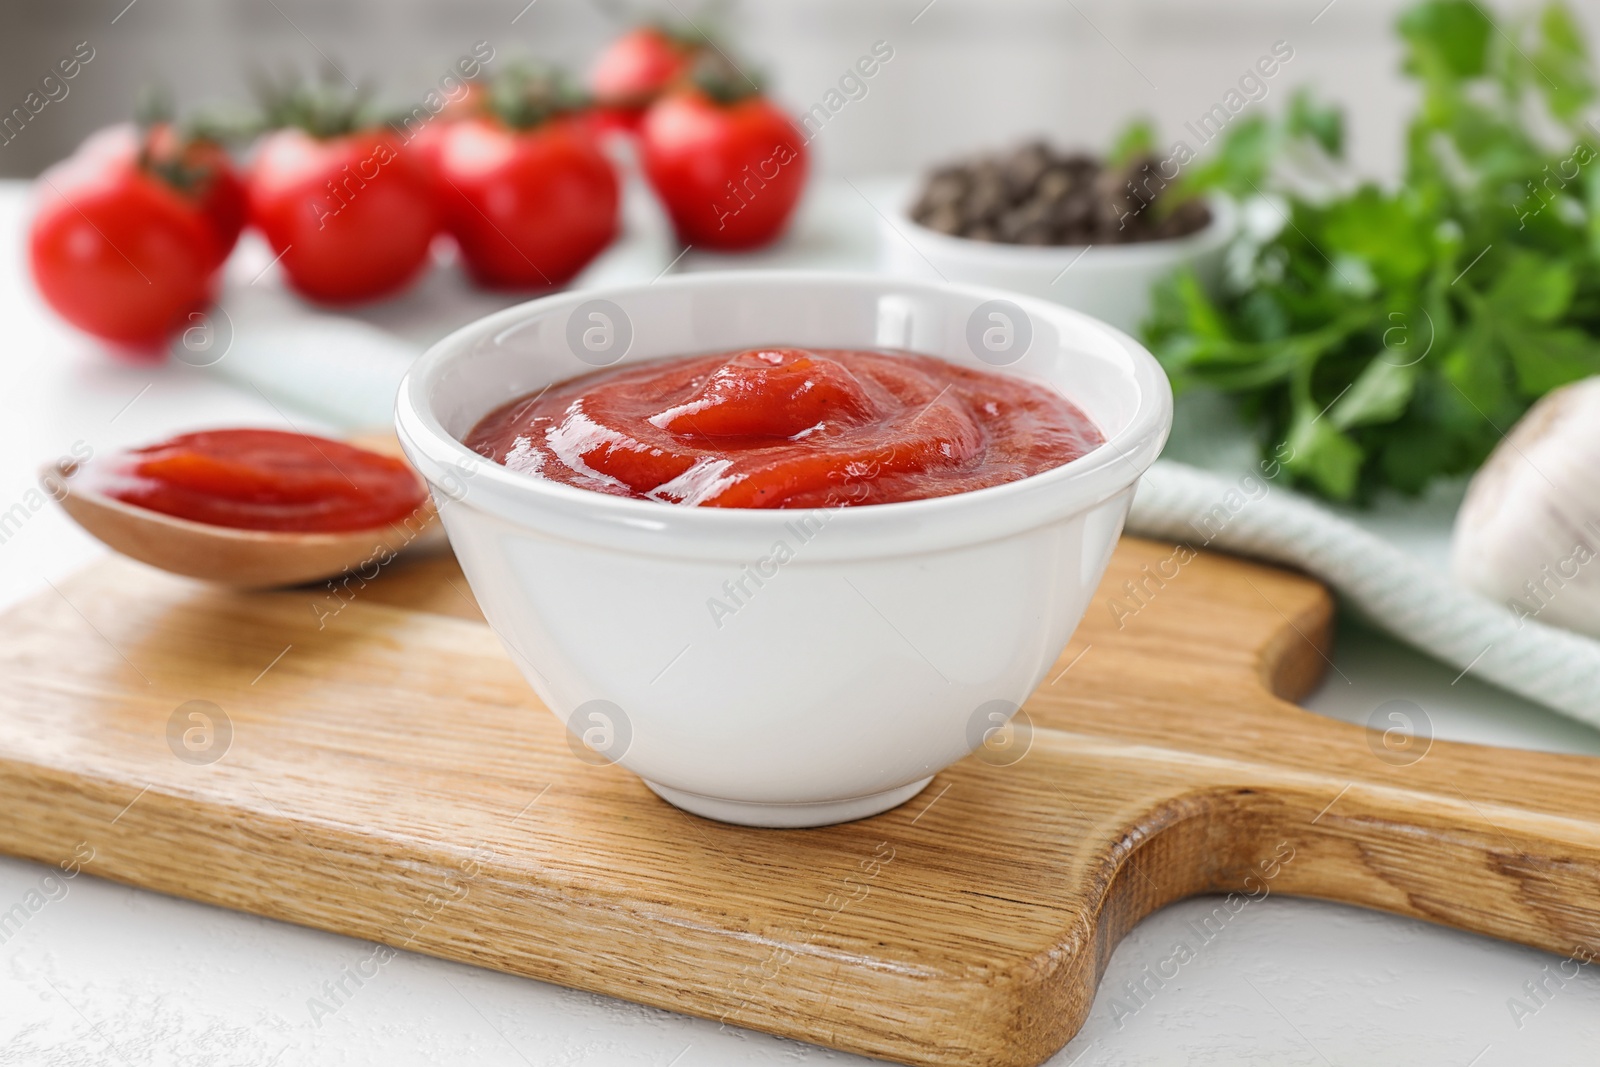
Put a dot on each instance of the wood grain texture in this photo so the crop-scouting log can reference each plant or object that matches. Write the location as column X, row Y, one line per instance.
column 389, row 776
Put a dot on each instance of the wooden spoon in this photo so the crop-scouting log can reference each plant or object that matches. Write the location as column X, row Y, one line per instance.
column 245, row 559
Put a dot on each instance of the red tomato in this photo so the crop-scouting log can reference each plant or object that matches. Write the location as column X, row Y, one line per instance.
column 529, row 208
column 199, row 168
column 351, row 216
column 118, row 252
column 729, row 174
column 227, row 205
column 635, row 69
column 219, row 188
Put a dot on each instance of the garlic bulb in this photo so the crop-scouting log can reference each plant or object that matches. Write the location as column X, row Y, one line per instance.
column 1528, row 532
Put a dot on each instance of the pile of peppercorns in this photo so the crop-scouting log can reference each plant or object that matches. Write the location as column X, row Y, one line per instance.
column 1035, row 195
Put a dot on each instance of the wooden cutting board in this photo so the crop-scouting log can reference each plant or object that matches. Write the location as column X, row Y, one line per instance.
column 383, row 772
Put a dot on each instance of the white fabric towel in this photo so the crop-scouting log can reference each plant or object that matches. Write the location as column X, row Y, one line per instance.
column 1554, row 667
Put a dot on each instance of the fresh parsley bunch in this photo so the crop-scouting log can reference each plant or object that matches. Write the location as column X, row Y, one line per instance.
column 1390, row 337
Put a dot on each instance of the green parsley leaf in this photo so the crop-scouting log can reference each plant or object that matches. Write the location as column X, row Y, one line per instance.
column 1385, row 337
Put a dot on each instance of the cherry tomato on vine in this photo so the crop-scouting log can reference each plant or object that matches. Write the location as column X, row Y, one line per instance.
column 191, row 156
column 348, row 212
column 117, row 248
column 218, row 186
column 525, row 190
column 728, row 165
column 195, row 165
column 351, row 214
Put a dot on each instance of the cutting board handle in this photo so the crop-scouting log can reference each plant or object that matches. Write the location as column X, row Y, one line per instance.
column 1267, row 797
column 1447, row 847
column 1447, row 839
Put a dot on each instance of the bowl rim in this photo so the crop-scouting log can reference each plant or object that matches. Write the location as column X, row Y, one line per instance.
column 721, row 533
column 1216, row 233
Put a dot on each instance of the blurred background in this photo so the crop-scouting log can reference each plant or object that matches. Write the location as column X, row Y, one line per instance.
column 965, row 73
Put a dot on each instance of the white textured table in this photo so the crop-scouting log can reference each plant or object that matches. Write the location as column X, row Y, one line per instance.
column 101, row 973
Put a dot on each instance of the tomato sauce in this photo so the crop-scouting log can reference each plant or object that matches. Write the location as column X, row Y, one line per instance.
column 262, row 480
column 787, row 428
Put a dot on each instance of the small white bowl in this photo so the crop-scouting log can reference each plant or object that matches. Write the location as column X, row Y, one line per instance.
column 896, row 638
column 1110, row 282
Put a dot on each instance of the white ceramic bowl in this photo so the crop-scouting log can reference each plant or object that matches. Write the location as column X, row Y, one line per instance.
column 895, row 638
column 1110, row 282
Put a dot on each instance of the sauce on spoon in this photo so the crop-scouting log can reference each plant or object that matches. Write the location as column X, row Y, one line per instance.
column 267, row 480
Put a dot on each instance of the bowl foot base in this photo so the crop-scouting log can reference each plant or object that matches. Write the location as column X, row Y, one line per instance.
column 822, row 813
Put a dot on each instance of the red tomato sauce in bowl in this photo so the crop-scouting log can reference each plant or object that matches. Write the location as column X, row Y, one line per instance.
column 787, row 428
column 267, row 480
